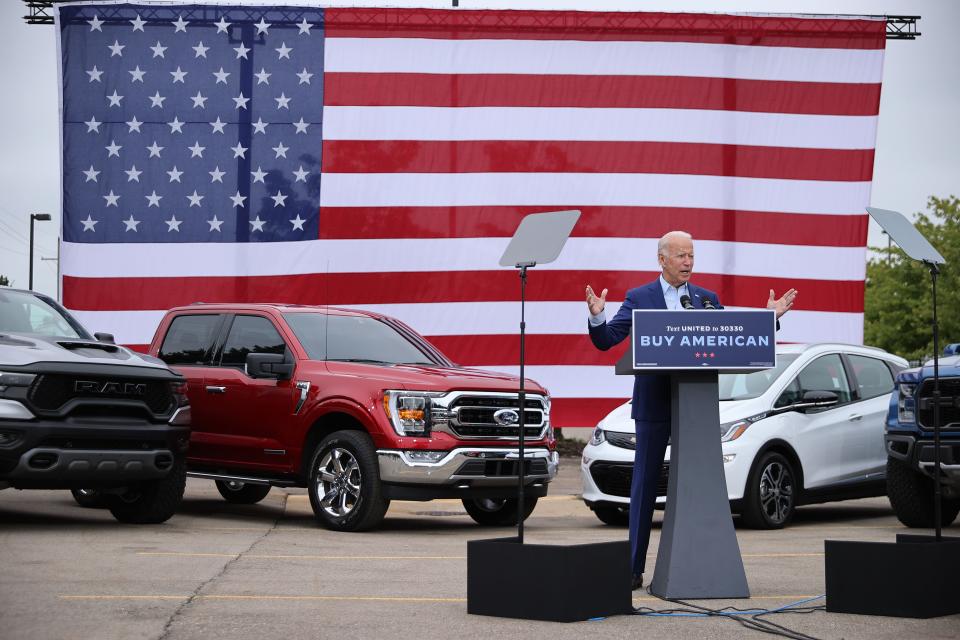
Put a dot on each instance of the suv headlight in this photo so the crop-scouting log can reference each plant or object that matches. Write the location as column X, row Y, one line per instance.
column 906, row 402
column 412, row 412
column 598, row 437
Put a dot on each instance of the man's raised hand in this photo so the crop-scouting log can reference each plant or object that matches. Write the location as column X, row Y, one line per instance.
column 784, row 304
column 594, row 303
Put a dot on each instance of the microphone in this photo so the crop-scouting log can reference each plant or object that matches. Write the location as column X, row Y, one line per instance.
column 685, row 302
column 708, row 304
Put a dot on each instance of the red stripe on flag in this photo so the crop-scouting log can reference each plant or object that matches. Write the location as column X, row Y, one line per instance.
column 339, row 223
column 521, row 156
column 662, row 92
column 501, row 350
column 581, row 412
column 103, row 294
column 595, row 25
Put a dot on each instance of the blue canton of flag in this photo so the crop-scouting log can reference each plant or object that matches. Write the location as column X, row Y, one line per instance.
column 191, row 124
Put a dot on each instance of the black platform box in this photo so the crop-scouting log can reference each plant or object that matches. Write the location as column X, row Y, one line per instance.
column 561, row 583
column 915, row 577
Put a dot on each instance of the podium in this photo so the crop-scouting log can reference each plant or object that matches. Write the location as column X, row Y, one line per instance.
column 699, row 556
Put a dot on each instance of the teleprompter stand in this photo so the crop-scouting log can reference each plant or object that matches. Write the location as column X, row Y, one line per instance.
column 914, row 577
column 505, row 576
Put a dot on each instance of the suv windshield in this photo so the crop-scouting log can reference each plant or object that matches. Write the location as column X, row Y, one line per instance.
column 353, row 339
column 22, row 312
column 743, row 386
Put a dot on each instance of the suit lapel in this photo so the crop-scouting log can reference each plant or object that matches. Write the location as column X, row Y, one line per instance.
column 655, row 295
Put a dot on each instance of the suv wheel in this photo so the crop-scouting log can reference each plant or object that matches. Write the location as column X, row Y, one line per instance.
column 236, row 492
column 911, row 496
column 344, row 486
column 89, row 498
column 771, row 495
column 614, row 516
column 497, row 512
column 151, row 502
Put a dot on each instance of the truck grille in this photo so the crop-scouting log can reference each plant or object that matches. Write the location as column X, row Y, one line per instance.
column 50, row 392
column 501, row 468
column 476, row 416
column 614, row 478
column 949, row 404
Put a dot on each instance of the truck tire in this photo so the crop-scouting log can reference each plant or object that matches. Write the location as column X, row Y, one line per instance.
column 236, row 492
column 911, row 496
column 771, row 494
column 614, row 516
column 89, row 498
column 497, row 512
column 344, row 483
column 151, row 502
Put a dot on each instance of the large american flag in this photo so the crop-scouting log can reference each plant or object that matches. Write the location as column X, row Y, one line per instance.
column 381, row 158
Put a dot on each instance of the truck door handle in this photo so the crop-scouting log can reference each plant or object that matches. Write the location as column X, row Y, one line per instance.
column 854, row 417
column 213, row 389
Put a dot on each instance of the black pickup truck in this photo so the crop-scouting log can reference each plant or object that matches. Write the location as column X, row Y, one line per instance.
column 78, row 412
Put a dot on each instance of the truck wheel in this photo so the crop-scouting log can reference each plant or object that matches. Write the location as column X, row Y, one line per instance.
column 345, row 490
column 771, row 495
column 151, row 502
column 614, row 516
column 89, row 498
column 911, row 496
column 236, row 492
column 498, row 512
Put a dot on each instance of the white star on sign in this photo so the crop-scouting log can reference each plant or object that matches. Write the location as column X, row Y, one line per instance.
column 91, row 174
column 214, row 223
column 113, row 149
column 262, row 26
column 195, row 199
column 301, row 126
column 180, row 24
column 111, row 199
column 283, row 101
column 133, row 174
column 304, row 27
column 95, row 24
column 154, row 150
column 196, row 151
column 300, row 174
column 174, row 174
column 158, row 50
column 304, row 76
column 134, row 125
column 153, row 200
column 239, row 151
column 156, row 100
column 138, row 23
column 223, row 25
column 178, row 75
column 240, row 101
column 94, row 74
column 221, row 76
column 116, row 49
column 137, row 74
column 173, row 224
column 175, row 125
column 218, row 125
column 280, row 150
column 297, row 223
column 257, row 224
column 93, row 125
column 258, row 175
column 279, row 200
column 260, row 126
column 241, row 52
column 131, row 223
column 216, row 175
column 200, row 51
column 199, row 100
column 89, row 223
column 262, row 78
column 115, row 99
column 283, row 51
column 238, row 199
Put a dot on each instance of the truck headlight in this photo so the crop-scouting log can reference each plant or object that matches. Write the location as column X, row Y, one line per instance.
column 411, row 412
column 15, row 379
column 906, row 403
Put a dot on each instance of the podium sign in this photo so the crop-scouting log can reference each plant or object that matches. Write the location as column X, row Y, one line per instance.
column 703, row 339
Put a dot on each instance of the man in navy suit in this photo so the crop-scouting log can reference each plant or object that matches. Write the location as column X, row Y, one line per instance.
column 651, row 392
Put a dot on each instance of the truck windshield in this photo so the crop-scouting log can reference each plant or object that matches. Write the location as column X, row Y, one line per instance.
column 22, row 312
column 743, row 386
column 353, row 339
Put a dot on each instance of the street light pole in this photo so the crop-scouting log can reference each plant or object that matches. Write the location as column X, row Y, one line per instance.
column 34, row 216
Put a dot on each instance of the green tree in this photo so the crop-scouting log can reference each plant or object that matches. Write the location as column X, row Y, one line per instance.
column 897, row 315
column 4, row 281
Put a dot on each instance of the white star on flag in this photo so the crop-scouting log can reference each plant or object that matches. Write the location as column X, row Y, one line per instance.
column 279, row 200
column 174, row 174
column 195, row 199
column 94, row 74
column 93, row 125
column 196, row 151
column 89, row 223
column 214, row 223
column 138, row 23
column 297, row 223
column 131, row 224
column 153, row 200
column 257, row 224
column 173, row 224
column 180, row 25
column 111, row 199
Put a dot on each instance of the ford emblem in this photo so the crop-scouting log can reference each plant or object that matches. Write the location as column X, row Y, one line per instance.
column 506, row 417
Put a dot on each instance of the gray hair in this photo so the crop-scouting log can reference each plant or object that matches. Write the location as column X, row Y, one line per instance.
column 668, row 237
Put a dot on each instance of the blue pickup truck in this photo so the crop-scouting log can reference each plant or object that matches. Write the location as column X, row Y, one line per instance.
column 910, row 448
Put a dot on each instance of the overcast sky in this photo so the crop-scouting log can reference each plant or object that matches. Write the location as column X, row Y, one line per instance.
column 918, row 141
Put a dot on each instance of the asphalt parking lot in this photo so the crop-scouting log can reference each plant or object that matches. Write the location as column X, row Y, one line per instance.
column 266, row 571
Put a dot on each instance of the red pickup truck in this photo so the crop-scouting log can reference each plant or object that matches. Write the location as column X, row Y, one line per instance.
column 354, row 406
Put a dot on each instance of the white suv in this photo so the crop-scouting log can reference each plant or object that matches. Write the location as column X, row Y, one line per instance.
column 809, row 430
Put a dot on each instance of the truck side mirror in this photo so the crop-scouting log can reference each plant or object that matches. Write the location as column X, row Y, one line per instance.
column 268, row 365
